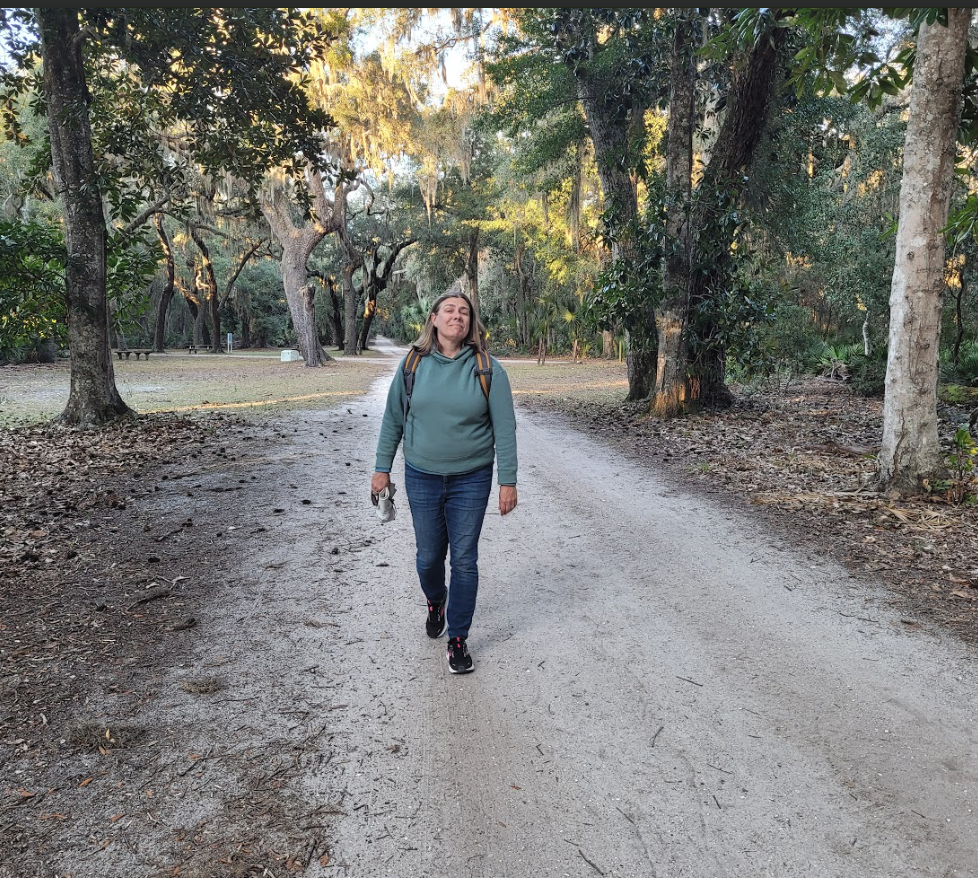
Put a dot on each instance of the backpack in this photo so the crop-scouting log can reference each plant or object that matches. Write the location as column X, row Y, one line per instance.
column 484, row 373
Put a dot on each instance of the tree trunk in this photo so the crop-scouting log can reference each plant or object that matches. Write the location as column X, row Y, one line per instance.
column 610, row 140
column 640, row 366
column 349, row 309
column 733, row 154
column 472, row 267
column 671, row 393
column 301, row 305
column 297, row 243
column 166, row 296
column 711, row 379
column 93, row 398
column 574, row 202
column 910, row 452
column 201, row 335
column 377, row 275
column 522, row 297
column 337, row 315
column 369, row 310
column 210, row 289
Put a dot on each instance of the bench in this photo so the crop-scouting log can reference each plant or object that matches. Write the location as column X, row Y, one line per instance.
column 192, row 349
column 137, row 351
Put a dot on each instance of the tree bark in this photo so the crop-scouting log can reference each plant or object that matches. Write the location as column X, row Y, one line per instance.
column 349, row 308
column 377, row 278
column 369, row 311
column 749, row 101
column 337, row 315
column 610, row 139
column 574, row 202
column 166, row 296
column 297, row 243
column 671, row 393
column 210, row 281
column 93, row 398
column 472, row 267
column 910, row 452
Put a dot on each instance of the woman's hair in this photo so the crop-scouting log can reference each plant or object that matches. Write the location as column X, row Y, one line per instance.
column 428, row 340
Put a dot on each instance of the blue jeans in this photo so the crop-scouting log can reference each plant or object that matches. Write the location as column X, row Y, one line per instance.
column 448, row 511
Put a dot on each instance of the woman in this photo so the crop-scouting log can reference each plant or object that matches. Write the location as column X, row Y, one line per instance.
column 453, row 427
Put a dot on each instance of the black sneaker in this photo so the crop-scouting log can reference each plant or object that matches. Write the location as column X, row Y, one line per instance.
column 436, row 623
column 459, row 660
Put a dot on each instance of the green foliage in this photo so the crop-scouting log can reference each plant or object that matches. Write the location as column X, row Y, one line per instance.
column 32, row 301
column 958, row 394
column 825, row 183
column 733, row 320
column 962, row 462
column 260, row 303
column 33, row 308
column 869, row 374
column 410, row 319
column 233, row 80
column 967, row 370
column 791, row 338
column 963, row 221
column 846, row 52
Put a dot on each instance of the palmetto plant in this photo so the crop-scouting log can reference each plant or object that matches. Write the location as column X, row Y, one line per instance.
column 416, row 314
column 834, row 359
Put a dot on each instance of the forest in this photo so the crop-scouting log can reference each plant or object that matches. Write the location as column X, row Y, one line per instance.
column 714, row 195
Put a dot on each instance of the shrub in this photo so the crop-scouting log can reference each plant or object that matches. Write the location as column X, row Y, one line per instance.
column 967, row 372
column 869, row 374
column 792, row 339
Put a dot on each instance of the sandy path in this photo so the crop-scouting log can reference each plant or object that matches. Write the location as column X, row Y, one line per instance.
column 660, row 690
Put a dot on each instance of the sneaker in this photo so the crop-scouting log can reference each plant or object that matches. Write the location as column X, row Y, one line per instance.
column 459, row 660
column 436, row 623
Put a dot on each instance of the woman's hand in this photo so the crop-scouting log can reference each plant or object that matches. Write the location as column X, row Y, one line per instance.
column 379, row 482
column 507, row 499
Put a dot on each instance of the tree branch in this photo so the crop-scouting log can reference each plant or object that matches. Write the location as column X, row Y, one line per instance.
column 246, row 256
column 145, row 215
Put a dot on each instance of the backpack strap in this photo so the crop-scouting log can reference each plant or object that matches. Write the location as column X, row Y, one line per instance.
column 484, row 371
column 410, row 366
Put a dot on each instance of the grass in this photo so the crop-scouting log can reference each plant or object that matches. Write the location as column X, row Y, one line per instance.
column 562, row 380
column 180, row 382
column 258, row 382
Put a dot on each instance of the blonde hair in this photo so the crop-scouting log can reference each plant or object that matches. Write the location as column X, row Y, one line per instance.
column 428, row 340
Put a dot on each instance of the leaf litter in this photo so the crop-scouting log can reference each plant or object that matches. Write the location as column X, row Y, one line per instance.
column 94, row 597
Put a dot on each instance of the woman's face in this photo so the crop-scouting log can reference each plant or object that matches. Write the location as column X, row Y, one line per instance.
column 452, row 320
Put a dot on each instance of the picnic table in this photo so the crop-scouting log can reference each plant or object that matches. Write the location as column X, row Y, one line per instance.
column 120, row 352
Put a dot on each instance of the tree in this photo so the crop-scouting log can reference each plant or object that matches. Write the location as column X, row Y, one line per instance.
column 671, row 391
column 232, row 77
column 609, row 52
column 910, row 452
column 699, row 258
column 298, row 238
column 376, row 277
column 93, row 397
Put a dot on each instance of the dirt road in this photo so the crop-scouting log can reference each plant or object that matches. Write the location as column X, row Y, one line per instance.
column 661, row 690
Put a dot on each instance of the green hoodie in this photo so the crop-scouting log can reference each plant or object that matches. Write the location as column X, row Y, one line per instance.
column 451, row 428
